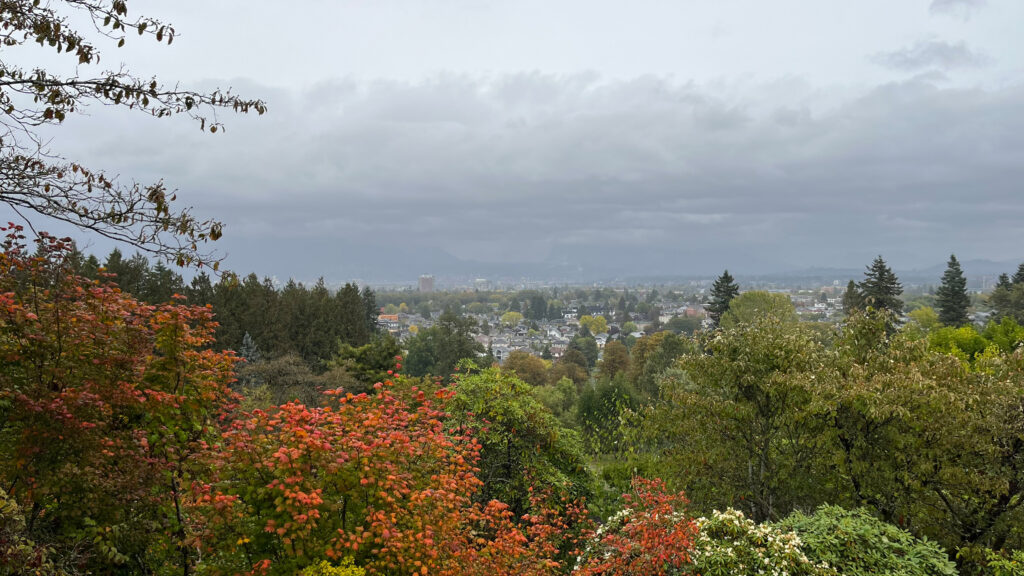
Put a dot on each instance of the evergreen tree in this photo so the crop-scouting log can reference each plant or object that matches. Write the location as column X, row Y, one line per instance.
column 249, row 351
column 438, row 349
column 200, row 290
column 1018, row 277
column 1006, row 298
column 546, row 353
column 130, row 273
column 371, row 308
column 852, row 299
column 82, row 265
column 951, row 297
column 488, row 359
column 881, row 288
column 538, row 307
column 353, row 315
column 722, row 292
column 160, row 284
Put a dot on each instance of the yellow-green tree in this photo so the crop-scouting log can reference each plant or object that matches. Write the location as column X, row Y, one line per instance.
column 749, row 306
column 596, row 324
column 511, row 319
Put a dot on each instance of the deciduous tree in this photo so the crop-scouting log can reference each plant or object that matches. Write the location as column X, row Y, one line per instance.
column 522, row 444
column 527, row 367
column 614, row 359
column 749, row 306
column 737, row 425
column 106, row 405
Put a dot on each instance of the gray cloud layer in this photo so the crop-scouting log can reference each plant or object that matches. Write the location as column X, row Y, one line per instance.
column 651, row 175
column 927, row 54
column 962, row 8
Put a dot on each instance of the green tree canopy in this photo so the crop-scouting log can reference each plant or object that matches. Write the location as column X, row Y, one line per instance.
column 523, row 444
column 437, row 350
column 749, row 306
column 925, row 318
column 614, row 359
column 527, row 367
column 595, row 324
column 587, row 346
column 511, row 319
column 735, row 426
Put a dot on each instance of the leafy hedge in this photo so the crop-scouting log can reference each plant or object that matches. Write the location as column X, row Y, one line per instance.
column 856, row 543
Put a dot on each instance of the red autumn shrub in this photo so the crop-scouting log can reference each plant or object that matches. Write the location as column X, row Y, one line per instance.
column 651, row 536
column 105, row 403
column 376, row 477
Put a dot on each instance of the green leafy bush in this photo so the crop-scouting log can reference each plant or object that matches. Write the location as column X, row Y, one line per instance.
column 19, row 554
column 965, row 343
column 854, row 543
column 978, row 561
column 1009, row 564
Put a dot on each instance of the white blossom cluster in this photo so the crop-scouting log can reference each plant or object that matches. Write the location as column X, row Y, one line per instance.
column 730, row 543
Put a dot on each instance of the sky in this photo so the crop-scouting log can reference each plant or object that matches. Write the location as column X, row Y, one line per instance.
column 615, row 138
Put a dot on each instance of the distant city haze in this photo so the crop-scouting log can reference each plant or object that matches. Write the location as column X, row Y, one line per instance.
column 586, row 140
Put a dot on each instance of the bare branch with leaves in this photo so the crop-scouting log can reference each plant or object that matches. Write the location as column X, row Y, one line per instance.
column 35, row 179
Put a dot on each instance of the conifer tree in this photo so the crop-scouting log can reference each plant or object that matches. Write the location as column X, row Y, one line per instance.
column 722, row 293
column 951, row 297
column 881, row 288
column 1006, row 296
column 852, row 299
column 249, row 351
column 1018, row 277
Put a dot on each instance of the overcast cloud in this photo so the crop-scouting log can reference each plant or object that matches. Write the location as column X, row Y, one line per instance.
column 926, row 54
column 906, row 139
column 962, row 8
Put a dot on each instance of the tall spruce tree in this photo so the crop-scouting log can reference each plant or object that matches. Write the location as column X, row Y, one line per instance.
column 880, row 288
column 951, row 297
column 722, row 293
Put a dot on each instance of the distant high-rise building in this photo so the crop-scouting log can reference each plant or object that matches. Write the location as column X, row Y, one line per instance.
column 426, row 283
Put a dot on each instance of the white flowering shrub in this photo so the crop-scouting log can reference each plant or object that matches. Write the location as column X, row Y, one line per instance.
column 728, row 543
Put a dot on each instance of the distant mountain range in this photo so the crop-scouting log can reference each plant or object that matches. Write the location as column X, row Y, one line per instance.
column 980, row 273
column 403, row 262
